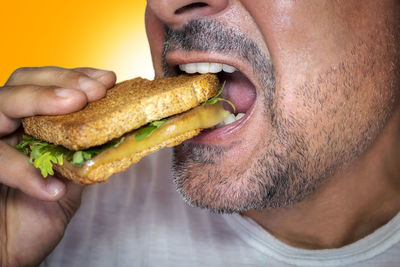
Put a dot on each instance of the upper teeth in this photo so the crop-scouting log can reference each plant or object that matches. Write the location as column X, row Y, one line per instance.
column 206, row 67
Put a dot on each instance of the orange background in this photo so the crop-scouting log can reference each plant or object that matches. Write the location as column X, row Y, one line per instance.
column 75, row 33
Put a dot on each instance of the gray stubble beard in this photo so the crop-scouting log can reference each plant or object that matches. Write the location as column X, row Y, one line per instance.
column 286, row 171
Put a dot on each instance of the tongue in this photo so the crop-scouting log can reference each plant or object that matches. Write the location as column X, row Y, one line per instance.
column 239, row 90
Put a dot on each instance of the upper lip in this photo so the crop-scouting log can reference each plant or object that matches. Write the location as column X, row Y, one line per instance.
column 175, row 58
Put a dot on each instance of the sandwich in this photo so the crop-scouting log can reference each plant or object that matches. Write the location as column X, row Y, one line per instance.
column 135, row 118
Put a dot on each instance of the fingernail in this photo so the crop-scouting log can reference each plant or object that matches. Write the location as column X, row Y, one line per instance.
column 54, row 187
column 100, row 73
column 64, row 93
column 104, row 78
column 87, row 84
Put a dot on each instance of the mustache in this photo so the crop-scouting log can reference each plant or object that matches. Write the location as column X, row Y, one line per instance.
column 209, row 35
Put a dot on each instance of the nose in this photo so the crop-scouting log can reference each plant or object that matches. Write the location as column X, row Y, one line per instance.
column 175, row 13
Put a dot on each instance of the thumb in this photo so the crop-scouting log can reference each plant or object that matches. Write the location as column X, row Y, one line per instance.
column 71, row 201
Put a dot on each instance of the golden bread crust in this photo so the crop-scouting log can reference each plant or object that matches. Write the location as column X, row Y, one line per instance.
column 103, row 171
column 127, row 106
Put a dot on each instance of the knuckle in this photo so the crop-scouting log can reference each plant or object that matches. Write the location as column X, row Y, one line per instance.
column 3, row 149
column 5, row 157
column 59, row 73
column 19, row 71
column 16, row 74
column 14, row 160
column 7, row 125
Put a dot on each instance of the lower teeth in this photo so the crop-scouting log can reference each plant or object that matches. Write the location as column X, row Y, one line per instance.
column 230, row 119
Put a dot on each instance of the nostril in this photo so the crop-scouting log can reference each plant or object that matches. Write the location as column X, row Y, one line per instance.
column 189, row 7
column 176, row 13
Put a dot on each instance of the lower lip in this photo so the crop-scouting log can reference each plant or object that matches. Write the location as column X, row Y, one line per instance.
column 224, row 133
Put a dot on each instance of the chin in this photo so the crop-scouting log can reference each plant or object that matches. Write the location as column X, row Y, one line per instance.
column 269, row 181
column 202, row 182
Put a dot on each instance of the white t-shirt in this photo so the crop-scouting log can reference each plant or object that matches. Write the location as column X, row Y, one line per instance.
column 138, row 219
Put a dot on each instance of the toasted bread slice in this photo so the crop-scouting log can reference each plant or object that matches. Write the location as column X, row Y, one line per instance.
column 101, row 172
column 127, row 106
column 118, row 158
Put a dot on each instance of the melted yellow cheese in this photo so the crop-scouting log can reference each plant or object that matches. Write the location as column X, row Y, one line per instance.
column 201, row 117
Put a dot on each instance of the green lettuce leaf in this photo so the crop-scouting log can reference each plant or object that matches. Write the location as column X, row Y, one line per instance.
column 216, row 98
column 147, row 130
column 43, row 155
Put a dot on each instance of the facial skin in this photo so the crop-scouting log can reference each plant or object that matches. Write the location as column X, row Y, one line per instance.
column 327, row 84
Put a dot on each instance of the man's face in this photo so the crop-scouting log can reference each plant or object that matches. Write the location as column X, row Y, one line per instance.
column 316, row 80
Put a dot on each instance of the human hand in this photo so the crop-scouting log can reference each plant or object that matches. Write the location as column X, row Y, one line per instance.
column 34, row 211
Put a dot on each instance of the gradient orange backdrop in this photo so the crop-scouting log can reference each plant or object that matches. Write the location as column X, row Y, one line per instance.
column 75, row 33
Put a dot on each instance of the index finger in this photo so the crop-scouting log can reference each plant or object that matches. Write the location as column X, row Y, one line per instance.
column 18, row 102
column 93, row 82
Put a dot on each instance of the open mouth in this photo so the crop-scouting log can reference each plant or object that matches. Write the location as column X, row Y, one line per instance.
column 239, row 90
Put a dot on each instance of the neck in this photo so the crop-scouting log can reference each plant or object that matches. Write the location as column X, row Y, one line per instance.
column 361, row 197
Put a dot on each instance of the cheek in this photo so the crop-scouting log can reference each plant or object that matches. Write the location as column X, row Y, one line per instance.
column 338, row 115
column 301, row 44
